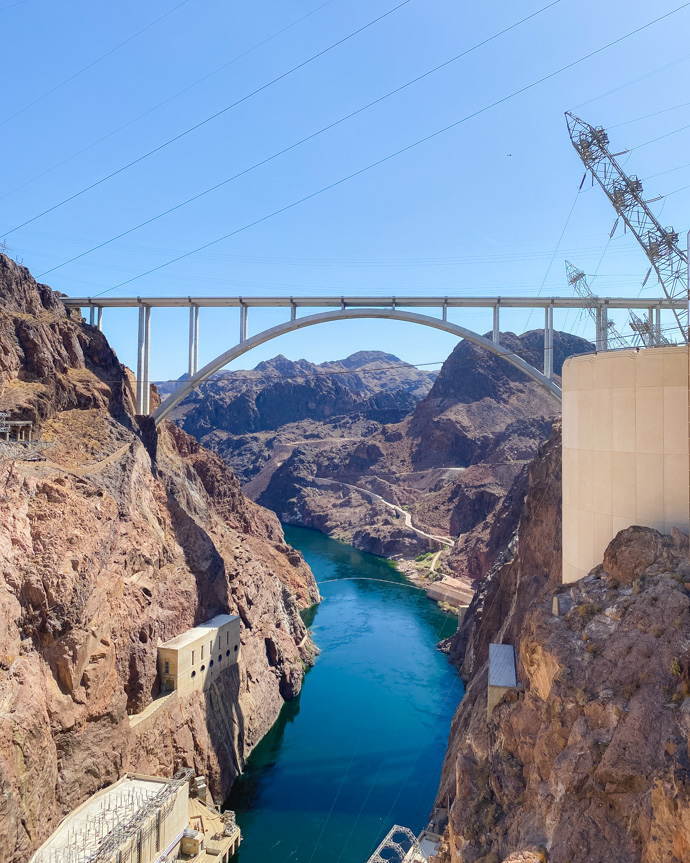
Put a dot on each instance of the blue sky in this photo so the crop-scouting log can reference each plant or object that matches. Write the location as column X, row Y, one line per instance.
column 479, row 209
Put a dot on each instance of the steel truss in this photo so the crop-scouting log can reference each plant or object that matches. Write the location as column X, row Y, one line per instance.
column 399, row 840
column 625, row 193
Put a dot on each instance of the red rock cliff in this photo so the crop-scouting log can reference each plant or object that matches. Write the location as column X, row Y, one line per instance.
column 588, row 762
column 108, row 546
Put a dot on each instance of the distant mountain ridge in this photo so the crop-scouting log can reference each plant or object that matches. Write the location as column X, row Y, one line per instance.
column 280, row 391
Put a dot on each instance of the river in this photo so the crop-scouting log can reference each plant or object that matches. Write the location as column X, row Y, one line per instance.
column 361, row 748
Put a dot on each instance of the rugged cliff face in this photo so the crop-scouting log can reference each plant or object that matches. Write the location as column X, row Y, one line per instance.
column 451, row 463
column 588, row 760
column 371, row 384
column 112, row 539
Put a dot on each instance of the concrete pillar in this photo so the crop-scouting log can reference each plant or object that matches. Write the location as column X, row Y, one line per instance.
column 243, row 323
column 99, row 318
column 140, row 360
column 496, row 324
column 293, row 311
column 657, row 325
column 602, row 328
column 193, row 340
column 548, row 342
column 147, row 357
column 92, row 310
column 651, row 327
column 445, row 311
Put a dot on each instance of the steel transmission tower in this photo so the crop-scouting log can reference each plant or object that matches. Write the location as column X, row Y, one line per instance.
column 607, row 334
column 625, row 193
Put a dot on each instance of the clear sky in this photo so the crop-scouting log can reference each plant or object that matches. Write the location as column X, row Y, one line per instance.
column 482, row 208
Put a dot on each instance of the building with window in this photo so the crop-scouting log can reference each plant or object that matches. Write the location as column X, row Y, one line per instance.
column 194, row 659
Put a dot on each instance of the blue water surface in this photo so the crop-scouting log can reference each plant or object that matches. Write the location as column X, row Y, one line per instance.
column 361, row 748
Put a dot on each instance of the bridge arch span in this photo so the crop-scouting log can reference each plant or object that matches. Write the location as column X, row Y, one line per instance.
column 343, row 315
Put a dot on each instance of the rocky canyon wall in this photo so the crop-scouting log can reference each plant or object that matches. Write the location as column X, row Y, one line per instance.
column 113, row 538
column 587, row 760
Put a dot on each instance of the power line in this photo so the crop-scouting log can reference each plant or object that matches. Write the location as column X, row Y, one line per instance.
column 298, row 143
column 92, row 64
column 12, row 5
column 660, row 138
column 649, row 116
column 212, row 116
column 396, row 153
column 169, row 99
column 653, row 72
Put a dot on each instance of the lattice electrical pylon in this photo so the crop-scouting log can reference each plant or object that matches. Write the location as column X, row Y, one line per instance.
column 578, row 281
column 625, row 193
column 645, row 332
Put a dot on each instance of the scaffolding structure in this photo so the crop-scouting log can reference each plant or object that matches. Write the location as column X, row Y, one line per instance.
column 122, row 817
column 660, row 244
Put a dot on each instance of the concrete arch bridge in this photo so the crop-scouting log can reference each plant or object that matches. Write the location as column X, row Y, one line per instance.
column 355, row 308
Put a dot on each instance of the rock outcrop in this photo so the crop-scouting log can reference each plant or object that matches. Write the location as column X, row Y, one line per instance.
column 457, row 463
column 588, row 759
column 112, row 539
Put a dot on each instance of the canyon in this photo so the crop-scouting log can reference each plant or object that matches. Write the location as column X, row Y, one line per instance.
column 383, row 456
column 115, row 538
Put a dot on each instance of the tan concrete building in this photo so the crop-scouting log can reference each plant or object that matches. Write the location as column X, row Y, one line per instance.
column 194, row 659
column 625, row 449
column 143, row 819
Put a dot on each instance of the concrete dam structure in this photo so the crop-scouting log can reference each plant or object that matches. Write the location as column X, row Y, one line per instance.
column 625, row 449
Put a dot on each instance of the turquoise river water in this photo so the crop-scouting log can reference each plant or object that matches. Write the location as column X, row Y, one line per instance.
column 361, row 748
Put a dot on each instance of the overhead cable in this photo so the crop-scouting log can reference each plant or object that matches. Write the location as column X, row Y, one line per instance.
column 298, row 143
column 217, row 114
column 399, row 152
column 92, row 64
column 169, row 99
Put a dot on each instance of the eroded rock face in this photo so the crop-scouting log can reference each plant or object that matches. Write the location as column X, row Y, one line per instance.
column 108, row 547
column 458, row 463
column 589, row 760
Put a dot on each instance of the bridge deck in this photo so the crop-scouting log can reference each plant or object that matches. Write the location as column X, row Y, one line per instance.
column 376, row 302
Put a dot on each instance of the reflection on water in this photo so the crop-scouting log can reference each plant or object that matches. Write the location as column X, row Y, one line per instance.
column 362, row 746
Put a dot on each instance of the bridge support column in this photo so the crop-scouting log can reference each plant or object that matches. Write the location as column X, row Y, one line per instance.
column 445, row 311
column 496, row 332
column 548, row 342
column 243, row 323
column 140, row 361
column 651, row 328
column 143, row 356
column 602, row 325
column 99, row 318
column 92, row 312
column 657, row 324
column 193, row 340
column 293, row 311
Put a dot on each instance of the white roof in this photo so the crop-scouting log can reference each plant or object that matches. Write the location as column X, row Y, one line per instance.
column 86, row 827
column 200, row 631
column 502, row 665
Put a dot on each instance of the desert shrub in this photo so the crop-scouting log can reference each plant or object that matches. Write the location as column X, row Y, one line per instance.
column 630, row 689
column 675, row 667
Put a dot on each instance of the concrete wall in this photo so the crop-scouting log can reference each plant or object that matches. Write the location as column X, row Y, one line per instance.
column 625, row 449
column 195, row 664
